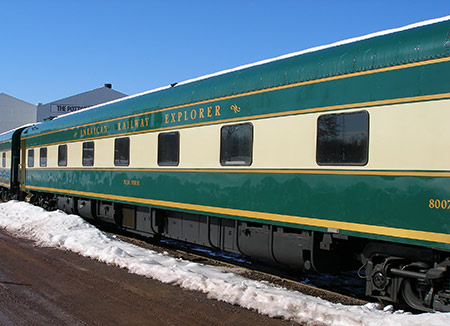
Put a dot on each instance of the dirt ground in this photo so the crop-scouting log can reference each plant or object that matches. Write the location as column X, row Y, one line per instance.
column 45, row 286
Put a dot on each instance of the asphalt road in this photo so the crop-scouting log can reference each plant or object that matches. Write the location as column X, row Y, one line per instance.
column 45, row 286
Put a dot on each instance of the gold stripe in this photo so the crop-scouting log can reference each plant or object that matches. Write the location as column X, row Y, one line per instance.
column 4, row 184
column 347, row 226
column 437, row 174
column 320, row 80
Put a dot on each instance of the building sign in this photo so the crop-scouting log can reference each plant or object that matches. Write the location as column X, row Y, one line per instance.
column 65, row 108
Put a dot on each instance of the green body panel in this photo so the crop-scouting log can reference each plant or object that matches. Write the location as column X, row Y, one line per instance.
column 393, row 201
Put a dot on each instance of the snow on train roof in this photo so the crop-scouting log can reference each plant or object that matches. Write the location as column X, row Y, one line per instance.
column 258, row 63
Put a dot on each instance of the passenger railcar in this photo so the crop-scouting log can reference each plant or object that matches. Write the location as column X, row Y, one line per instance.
column 313, row 160
column 9, row 166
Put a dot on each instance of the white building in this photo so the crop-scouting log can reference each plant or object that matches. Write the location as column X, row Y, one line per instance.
column 15, row 113
column 77, row 102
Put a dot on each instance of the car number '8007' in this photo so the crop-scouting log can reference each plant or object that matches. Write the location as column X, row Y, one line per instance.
column 439, row 203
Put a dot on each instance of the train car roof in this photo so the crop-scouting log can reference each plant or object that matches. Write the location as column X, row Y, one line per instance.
column 413, row 43
column 6, row 136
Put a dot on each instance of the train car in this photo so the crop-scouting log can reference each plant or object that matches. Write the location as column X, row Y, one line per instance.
column 314, row 160
column 9, row 168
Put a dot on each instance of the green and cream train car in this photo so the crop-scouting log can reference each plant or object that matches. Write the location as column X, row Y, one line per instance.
column 9, row 166
column 312, row 160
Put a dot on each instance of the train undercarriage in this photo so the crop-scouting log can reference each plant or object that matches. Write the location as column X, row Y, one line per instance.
column 407, row 276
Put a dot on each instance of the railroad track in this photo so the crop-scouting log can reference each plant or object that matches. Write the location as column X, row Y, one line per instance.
column 255, row 270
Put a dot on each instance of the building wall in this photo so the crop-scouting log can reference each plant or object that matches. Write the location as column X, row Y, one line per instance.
column 77, row 102
column 15, row 113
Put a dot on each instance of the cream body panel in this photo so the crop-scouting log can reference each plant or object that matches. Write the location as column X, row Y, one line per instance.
column 143, row 150
column 104, row 153
column 8, row 159
column 74, row 155
column 200, row 147
column 287, row 142
column 401, row 137
column 52, row 156
column 410, row 136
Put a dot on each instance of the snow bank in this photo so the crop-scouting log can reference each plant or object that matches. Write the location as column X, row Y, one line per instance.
column 70, row 232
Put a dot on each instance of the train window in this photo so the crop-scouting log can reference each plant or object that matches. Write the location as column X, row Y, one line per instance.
column 4, row 159
column 343, row 139
column 122, row 151
column 62, row 155
column 30, row 158
column 169, row 148
column 43, row 157
column 88, row 153
column 236, row 144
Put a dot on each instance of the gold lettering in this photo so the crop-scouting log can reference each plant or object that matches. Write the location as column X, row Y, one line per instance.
column 105, row 129
column 142, row 123
column 166, row 120
column 185, row 116
column 136, row 123
column 124, row 126
column 180, row 114
column 217, row 111
column 209, row 111
column 201, row 116
column 146, row 122
column 193, row 114
column 172, row 115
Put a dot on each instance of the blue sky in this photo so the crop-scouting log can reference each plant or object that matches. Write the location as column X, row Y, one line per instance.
column 54, row 49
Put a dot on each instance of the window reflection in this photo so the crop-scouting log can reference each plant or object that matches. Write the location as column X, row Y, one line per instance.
column 236, row 144
column 343, row 139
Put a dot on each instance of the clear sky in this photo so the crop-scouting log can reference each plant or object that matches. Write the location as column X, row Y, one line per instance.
column 51, row 49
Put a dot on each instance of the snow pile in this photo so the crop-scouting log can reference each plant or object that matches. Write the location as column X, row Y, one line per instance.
column 70, row 232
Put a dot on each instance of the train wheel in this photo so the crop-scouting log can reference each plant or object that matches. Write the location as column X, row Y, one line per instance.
column 417, row 295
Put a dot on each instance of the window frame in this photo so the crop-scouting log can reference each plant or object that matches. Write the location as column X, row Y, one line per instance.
column 4, row 160
column 63, row 151
column 30, row 158
column 225, row 156
column 43, row 158
column 340, row 140
column 117, row 159
column 86, row 160
column 166, row 149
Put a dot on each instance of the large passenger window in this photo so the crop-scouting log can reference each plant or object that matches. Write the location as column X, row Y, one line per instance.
column 30, row 158
column 88, row 153
column 43, row 157
column 169, row 148
column 236, row 144
column 122, row 151
column 62, row 155
column 4, row 159
column 343, row 139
